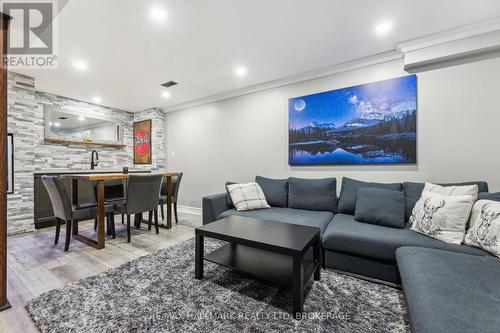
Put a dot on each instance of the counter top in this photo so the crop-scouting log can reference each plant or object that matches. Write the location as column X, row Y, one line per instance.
column 88, row 171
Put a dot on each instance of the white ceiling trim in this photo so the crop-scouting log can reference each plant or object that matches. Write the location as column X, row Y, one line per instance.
column 311, row 75
column 462, row 32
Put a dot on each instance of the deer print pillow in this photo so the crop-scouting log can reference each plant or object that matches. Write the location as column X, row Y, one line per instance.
column 443, row 217
column 484, row 231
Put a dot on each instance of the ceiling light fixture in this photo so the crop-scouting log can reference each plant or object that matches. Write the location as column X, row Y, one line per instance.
column 158, row 14
column 383, row 28
column 97, row 99
column 166, row 94
column 240, row 71
column 57, row 124
column 81, row 118
column 80, row 65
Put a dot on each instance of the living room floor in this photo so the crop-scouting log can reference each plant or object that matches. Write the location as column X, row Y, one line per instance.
column 35, row 265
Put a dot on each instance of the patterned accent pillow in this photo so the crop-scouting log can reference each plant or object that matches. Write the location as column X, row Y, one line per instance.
column 248, row 196
column 443, row 217
column 484, row 231
column 444, row 190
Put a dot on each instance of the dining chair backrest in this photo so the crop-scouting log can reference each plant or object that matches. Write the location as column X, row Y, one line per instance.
column 176, row 184
column 142, row 193
column 61, row 201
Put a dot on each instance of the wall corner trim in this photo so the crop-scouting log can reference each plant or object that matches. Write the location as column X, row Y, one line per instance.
column 450, row 35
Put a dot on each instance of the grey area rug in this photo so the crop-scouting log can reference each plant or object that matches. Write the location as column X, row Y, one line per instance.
column 158, row 293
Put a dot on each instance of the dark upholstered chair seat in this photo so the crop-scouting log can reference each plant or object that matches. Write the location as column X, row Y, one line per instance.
column 450, row 292
column 163, row 200
column 347, row 235
column 288, row 215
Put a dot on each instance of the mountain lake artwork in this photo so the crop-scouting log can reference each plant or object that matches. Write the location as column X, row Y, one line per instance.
column 373, row 123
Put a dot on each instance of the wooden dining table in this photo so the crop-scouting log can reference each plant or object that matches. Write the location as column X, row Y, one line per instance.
column 100, row 178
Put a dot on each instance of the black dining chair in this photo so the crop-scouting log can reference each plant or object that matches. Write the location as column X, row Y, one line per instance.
column 64, row 210
column 141, row 197
column 176, row 183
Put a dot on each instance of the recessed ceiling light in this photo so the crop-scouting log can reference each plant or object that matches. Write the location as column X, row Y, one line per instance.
column 80, row 65
column 166, row 94
column 240, row 71
column 97, row 99
column 81, row 118
column 56, row 124
column 382, row 28
column 50, row 124
column 158, row 14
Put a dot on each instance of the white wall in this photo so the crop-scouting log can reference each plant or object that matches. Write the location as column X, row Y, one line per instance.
column 235, row 139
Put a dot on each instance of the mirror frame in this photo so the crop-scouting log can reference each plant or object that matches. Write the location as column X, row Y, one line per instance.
column 58, row 139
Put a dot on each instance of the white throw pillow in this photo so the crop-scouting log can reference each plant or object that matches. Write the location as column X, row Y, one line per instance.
column 471, row 190
column 443, row 217
column 484, row 231
column 248, row 196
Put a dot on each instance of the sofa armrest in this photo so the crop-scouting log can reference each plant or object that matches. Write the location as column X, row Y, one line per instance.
column 213, row 205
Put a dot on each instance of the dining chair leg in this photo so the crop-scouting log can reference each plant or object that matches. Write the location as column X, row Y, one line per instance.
column 58, row 231
column 108, row 224
column 113, row 229
column 128, row 228
column 150, row 218
column 95, row 224
column 123, row 219
column 68, row 235
column 175, row 213
column 162, row 212
column 156, row 221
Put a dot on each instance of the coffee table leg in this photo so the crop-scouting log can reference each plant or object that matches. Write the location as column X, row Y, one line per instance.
column 316, row 256
column 198, row 265
column 298, row 286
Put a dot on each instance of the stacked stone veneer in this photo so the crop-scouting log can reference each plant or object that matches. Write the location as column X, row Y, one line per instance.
column 32, row 154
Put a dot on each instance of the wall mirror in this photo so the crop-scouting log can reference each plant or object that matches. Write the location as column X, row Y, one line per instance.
column 70, row 126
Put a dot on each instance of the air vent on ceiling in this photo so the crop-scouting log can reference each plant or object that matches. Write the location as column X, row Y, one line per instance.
column 169, row 84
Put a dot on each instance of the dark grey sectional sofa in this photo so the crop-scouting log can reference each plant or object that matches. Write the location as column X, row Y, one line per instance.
column 446, row 286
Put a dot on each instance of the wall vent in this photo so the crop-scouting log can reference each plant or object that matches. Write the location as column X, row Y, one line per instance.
column 169, row 84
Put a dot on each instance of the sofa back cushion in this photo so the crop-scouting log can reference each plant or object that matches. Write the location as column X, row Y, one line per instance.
column 413, row 192
column 228, row 196
column 382, row 207
column 489, row 196
column 347, row 199
column 313, row 194
column 275, row 190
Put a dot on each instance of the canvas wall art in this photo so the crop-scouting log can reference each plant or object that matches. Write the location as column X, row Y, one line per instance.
column 142, row 142
column 374, row 123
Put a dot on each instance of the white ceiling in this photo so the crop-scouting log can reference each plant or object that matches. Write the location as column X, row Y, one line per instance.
column 129, row 55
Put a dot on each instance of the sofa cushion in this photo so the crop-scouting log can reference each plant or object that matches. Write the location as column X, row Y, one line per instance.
column 247, row 196
column 344, row 234
column 313, row 194
column 275, row 190
column 287, row 215
column 347, row 199
column 413, row 192
column 450, row 292
column 484, row 231
column 382, row 207
column 489, row 196
column 443, row 217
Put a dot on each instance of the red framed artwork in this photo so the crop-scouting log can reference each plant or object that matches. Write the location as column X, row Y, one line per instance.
column 142, row 142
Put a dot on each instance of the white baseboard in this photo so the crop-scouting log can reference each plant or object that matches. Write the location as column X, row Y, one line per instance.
column 189, row 210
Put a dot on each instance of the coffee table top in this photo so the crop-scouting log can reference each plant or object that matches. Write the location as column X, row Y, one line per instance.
column 274, row 236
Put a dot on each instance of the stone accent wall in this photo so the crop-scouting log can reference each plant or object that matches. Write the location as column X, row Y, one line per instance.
column 157, row 117
column 31, row 153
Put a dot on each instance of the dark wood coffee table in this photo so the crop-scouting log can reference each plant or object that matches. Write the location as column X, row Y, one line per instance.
column 269, row 250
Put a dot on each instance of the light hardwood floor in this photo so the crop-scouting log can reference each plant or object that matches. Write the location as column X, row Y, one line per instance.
column 36, row 265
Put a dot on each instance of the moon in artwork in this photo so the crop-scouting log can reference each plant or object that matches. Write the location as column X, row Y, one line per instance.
column 300, row 105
